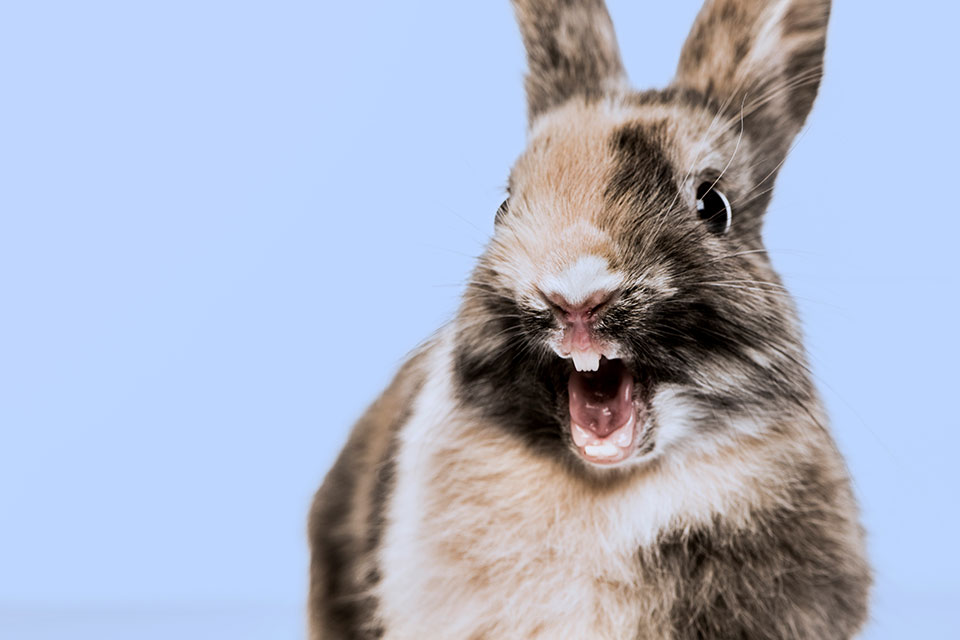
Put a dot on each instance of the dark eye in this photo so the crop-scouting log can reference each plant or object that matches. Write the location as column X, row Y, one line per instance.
column 501, row 212
column 714, row 208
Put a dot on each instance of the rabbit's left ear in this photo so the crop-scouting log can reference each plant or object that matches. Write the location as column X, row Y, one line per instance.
column 571, row 51
column 761, row 58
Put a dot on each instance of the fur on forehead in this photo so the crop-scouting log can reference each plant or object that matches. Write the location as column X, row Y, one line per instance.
column 569, row 150
column 559, row 200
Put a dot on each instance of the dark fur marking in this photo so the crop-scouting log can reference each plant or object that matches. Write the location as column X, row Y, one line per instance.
column 516, row 383
column 786, row 577
column 334, row 599
column 340, row 603
column 643, row 172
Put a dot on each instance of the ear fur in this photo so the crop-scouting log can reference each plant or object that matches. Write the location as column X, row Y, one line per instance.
column 571, row 51
column 761, row 58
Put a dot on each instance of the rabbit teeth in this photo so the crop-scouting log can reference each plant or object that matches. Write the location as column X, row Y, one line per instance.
column 605, row 450
column 623, row 437
column 610, row 449
column 586, row 360
column 580, row 435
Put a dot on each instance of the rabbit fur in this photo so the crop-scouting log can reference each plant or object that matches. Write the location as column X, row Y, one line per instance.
column 464, row 507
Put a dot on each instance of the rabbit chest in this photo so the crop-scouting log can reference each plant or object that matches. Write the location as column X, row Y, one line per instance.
column 486, row 539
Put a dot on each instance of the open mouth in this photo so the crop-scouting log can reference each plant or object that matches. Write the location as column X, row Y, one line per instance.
column 605, row 421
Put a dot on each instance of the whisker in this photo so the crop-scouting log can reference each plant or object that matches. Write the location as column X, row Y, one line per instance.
column 735, row 255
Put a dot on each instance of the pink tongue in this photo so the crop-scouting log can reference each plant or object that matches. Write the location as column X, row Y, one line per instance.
column 601, row 401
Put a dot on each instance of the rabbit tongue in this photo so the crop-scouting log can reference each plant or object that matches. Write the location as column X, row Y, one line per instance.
column 601, row 402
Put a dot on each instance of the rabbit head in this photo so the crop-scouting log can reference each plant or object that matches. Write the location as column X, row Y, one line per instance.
column 625, row 307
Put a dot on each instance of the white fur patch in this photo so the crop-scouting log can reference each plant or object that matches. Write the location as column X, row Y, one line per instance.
column 674, row 416
column 485, row 539
column 582, row 279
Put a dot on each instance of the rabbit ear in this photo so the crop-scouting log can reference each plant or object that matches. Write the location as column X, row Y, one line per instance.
column 761, row 58
column 571, row 51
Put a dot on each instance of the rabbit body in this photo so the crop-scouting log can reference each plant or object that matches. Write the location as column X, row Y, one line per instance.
column 617, row 437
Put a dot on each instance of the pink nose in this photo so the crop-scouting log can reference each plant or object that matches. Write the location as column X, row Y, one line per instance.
column 587, row 308
column 579, row 318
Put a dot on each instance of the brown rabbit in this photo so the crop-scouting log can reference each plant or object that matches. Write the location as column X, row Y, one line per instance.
column 617, row 437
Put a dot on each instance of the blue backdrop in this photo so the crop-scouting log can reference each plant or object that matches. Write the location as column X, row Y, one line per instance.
column 223, row 224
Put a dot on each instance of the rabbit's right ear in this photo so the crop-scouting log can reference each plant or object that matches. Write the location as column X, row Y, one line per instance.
column 571, row 51
column 759, row 58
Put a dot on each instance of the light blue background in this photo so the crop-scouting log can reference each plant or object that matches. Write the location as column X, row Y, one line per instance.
column 223, row 224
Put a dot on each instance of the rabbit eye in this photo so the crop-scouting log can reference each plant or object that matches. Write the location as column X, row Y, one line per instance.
column 714, row 208
column 501, row 212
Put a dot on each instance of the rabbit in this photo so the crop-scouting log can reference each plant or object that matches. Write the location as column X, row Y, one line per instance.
column 617, row 436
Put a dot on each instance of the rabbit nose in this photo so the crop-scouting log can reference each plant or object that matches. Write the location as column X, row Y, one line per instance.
column 579, row 318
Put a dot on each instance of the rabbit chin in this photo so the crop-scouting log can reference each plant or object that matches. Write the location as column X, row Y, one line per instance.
column 607, row 417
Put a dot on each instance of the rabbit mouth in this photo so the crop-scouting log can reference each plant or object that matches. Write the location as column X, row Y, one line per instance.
column 606, row 420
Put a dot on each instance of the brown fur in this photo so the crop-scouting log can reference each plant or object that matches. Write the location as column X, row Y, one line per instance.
column 347, row 516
